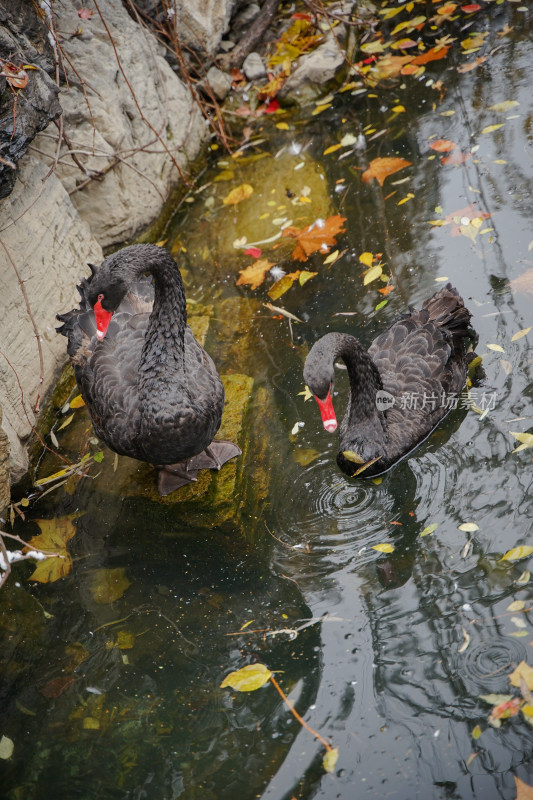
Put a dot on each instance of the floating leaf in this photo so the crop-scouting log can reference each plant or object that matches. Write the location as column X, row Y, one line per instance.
column 526, row 440
column 477, row 731
column 492, row 128
column 442, row 145
column 284, row 284
column 519, row 334
column 516, row 553
column 330, row 759
column 496, row 347
column 77, row 402
column 125, row 640
column 429, row 529
column 247, row 679
column 506, row 105
column 372, row 274
column 319, row 236
column 238, row 194
column 366, row 259
column 524, row 282
column 254, row 275
column 66, row 422
column 516, row 605
column 305, row 276
column 434, row 54
column 6, row 747
column 522, row 672
column 495, row 699
column 524, row 578
column 381, row 168
column 383, row 548
column 56, row 686
column 381, row 305
column 332, row 257
column 350, row 455
column 55, row 533
column 331, row 149
column 304, row 457
column 468, row 527
column 466, row 641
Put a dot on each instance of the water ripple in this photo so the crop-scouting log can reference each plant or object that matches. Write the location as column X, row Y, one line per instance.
column 485, row 667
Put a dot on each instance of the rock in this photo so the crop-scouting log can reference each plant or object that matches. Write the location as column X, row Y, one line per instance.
column 4, row 468
column 253, row 67
column 315, row 71
column 44, row 238
column 23, row 40
column 126, row 133
column 243, row 19
column 219, row 82
column 200, row 24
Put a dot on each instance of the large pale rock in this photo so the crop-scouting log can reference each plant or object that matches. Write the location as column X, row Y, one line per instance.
column 136, row 120
column 4, row 467
column 43, row 238
column 202, row 23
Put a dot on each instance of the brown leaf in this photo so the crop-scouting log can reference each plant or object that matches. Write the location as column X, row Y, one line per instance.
column 319, row 236
column 57, row 686
column 523, row 790
column 442, row 145
column 254, row 275
column 381, row 168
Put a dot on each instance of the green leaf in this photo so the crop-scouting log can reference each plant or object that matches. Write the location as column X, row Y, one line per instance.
column 476, row 733
column 429, row 529
column 330, row 759
column 98, row 457
column 247, row 679
column 381, row 304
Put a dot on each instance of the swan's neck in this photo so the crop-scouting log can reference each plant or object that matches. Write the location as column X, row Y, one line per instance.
column 365, row 380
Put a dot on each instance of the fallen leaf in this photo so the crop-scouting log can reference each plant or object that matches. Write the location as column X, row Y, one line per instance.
column 476, row 732
column 472, row 65
column 466, row 641
column 330, row 759
column 523, row 790
column 381, row 168
column 284, row 284
column 15, row 76
column 468, row 527
column 492, row 128
column 524, row 282
column 238, row 194
column 526, row 440
column 6, row 747
column 383, row 548
column 455, row 158
column 366, row 259
column 247, row 679
column 55, row 533
column 66, row 422
column 429, row 529
column 516, row 553
column 386, row 289
column 108, row 584
column 495, row 699
column 516, row 605
column 506, row 105
column 522, row 672
column 442, row 145
column 77, row 402
column 304, row 457
column 496, row 347
column 57, row 686
column 435, row 54
column 519, row 334
column 254, row 275
column 85, row 13
column 319, row 236
column 372, row 274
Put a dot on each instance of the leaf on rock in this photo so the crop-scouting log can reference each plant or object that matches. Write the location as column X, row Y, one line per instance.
column 238, row 194
column 330, row 759
column 319, row 236
column 247, row 679
column 254, row 275
column 381, row 168
column 516, row 553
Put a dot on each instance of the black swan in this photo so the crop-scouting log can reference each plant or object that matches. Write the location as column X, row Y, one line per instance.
column 400, row 389
column 151, row 390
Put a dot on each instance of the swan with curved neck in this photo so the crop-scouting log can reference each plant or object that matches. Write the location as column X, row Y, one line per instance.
column 398, row 387
column 152, row 392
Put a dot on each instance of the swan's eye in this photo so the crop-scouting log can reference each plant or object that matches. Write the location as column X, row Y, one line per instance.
column 100, row 297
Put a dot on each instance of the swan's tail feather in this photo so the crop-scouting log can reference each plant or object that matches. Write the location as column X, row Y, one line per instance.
column 447, row 310
column 173, row 476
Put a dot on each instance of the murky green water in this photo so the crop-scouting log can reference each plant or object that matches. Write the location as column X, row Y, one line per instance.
column 119, row 698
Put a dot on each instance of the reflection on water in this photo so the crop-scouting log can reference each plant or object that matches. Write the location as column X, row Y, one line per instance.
column 385, row 654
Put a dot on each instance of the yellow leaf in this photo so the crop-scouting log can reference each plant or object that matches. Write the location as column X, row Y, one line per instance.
column 492, row 128
column 254, row 275
column 524, row 578
column 372, row 274
column 506, row 105
column 522, row 672
column 377, row 46
column 55, row 533
column 331, row 149
column 125, row 640
column 320, row 109
column 516, row 605
column 307, row 393
column 330, row 759
column 247, row 679
column 519, row 334
column 469, row 527
column 398, row 109
column 67, row 421
column 77, row 402
column 517, row 553
column 52, row 477
column 476, row 733
column 332, row 257
column 466, row 642
column 282, row 126
column 108, row 584
column 366, row 259
column 283, row 285
column 408, row 196
column 238, row 194
column 409, row 24
column 349, row 455
column 496, row 347
column 383, row 548
column 526, row 440
column 429, row 529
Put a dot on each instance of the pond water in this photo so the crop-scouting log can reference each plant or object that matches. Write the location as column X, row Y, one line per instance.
column 384, row 654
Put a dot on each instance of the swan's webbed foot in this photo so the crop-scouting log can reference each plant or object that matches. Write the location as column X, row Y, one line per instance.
column 215, row 455
column 173, row 476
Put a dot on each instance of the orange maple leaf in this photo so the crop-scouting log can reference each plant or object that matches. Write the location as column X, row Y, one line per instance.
column 435, row 54
column 319, row 236
column 442, row 145
column 254, row 275
column 386, row 290
column 381, row 168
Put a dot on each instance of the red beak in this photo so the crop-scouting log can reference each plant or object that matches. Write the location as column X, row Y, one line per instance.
column 329, row 420
column 103, row 318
